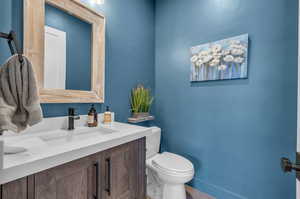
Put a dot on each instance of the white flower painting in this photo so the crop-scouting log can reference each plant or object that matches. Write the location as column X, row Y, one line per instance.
column 220, row 60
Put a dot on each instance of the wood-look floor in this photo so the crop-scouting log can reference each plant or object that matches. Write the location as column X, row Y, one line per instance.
column 192, row 193
column 195, row 194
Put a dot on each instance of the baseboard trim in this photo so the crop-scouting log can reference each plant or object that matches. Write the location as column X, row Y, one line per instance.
column 215, row 190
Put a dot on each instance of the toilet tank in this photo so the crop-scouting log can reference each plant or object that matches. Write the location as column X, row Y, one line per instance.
column 153, row 142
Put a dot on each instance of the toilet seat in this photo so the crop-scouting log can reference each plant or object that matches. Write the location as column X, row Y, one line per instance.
column 173, row 164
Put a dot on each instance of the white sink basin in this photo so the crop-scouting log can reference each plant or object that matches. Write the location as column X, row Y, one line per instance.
column 56, row 138
column 64, row 136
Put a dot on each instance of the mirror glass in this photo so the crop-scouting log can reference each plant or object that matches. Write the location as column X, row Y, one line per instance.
column 68, row 44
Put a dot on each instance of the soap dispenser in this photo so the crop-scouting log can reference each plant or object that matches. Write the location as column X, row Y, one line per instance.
column 92, row 117
column 107, row 116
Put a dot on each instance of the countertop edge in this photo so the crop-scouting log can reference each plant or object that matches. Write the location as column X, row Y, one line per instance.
column 24, row 170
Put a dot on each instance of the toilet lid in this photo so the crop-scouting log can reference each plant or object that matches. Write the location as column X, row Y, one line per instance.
column 173, row 163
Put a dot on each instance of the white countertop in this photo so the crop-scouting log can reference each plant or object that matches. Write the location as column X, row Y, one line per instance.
column 43, row 152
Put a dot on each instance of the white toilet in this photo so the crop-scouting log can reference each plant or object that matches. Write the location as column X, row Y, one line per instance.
column 166, row 172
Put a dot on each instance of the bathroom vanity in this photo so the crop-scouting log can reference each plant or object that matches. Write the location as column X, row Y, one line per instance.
column 106, row 162
column 114, row 173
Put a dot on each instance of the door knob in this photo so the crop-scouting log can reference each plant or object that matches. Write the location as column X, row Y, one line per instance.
column 288, row 166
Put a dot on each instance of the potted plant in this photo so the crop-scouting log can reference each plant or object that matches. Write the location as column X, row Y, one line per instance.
column 141, row 101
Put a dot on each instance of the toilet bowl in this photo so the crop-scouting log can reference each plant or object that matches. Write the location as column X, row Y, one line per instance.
column 167, row 172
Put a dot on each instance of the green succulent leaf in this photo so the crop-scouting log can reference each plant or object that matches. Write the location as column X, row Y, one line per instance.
column 141, row 99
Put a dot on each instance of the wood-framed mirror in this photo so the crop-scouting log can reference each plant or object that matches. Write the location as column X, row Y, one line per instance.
column 35, row 45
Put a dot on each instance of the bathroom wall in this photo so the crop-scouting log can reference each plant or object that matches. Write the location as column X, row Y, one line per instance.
column 10, row 19
column 129, row 51
column 235, row 132
column 5, row 21
column 78, row 46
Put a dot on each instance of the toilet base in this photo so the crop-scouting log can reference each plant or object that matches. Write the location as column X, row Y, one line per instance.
column 174, row 191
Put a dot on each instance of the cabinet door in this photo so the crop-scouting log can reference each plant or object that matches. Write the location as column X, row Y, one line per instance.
column 74, row 180
column 120, row 172
column 14, row 190
column 140, row 148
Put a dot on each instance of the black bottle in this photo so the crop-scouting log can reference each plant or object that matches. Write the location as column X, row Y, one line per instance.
column 91, row 117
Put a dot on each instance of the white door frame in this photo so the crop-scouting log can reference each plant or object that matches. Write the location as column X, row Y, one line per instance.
column 55, row 61
column 298, row 102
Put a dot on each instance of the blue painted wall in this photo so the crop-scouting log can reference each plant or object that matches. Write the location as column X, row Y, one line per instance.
column 234, row 131
column 78, row 39
column 129, row 51
column 10, row 19
column 5, row 26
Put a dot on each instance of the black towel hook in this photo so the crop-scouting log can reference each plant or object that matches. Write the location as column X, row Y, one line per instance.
column 13, row 44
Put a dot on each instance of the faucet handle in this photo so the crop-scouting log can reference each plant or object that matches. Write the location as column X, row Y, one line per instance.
column 71, row 111
column 72, row 114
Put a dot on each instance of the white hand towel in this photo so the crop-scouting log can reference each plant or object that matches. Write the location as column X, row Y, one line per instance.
column 19, row 99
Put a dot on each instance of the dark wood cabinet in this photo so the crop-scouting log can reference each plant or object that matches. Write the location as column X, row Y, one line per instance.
column 14, row 190
column 70, row 181
column 117, row 173
column 120, row 172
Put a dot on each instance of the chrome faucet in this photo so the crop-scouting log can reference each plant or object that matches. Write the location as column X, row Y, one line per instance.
column 72, row 117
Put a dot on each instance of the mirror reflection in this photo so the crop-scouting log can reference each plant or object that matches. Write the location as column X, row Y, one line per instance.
column 67, row 51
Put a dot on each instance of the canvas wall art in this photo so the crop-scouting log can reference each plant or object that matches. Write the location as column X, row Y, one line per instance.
column 220, row 60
